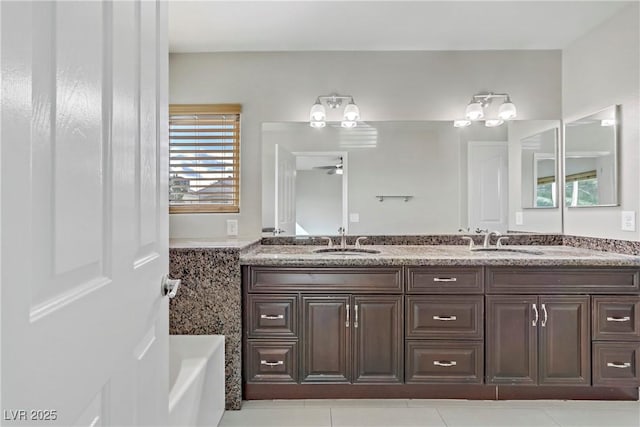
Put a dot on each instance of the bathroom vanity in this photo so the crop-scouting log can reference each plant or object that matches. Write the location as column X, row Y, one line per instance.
column 440, row 322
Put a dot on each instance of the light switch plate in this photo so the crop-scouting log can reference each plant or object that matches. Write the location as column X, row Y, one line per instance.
column 519, row 218
column 354, row 217
column 628, row 220
column 232, row 227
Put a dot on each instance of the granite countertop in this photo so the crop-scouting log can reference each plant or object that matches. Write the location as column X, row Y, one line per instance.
column 212, row 243
column 437, row 255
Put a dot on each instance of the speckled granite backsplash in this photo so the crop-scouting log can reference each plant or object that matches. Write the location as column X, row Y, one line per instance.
column 427, row 239
column 627, row 247
column 209, row 302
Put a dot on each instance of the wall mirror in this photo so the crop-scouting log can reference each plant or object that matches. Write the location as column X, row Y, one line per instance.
column 389, row 178
column 538, row 168
column 591, row 159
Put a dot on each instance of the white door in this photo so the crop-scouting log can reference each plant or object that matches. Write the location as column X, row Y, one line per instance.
column 84, row 213
column 488, row 185
column 285, row 193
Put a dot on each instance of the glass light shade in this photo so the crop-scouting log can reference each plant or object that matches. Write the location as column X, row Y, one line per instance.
column 317, row 124
column 507, row 111
column 317, row 113
column 351, row 112
column 474, row 111
column 491, row 123
column 349, row 124
column 339, row 171
column 607, row 122
column 461, row 123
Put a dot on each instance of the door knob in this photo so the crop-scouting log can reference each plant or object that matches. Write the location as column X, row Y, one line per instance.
column 170, row 286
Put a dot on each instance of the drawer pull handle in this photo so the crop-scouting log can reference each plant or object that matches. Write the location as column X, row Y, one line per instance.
column 618, row 319
column 267, row 363
column 445, row 279
column 445, row 318
column 446, row 364
column 618, row 365
column 272, row 316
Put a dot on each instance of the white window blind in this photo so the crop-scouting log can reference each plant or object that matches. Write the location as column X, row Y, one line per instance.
column 204, row 158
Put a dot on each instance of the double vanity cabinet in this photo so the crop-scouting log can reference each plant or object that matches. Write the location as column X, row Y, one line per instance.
column 471, row 331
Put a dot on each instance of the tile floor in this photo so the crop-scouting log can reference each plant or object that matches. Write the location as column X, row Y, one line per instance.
column 436, row 413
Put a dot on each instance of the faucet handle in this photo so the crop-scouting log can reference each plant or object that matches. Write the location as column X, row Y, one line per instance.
column 329, row 241
column 360, row 239
column 500, row 239
column 341, row 230
column 471, row 242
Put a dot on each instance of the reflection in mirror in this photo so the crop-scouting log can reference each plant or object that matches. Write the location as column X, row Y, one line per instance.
column 417, row 159
column 591, row 146
column 538, row 170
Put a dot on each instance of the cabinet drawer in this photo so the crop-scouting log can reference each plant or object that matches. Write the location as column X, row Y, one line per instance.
column 548, row 280
column 272, row 315
column 442, row 280
column 438, row 316
column 616, row 364
column 348, row 280
column 272, row 361
column 616, row 318
column 444, row 362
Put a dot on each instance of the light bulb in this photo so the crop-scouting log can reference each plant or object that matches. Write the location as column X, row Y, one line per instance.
column 317, row 124
column 491, row 123
column 474, row 111
column 351, row 112
column 317, row 113
column 507, row 110
column 461, row 123
column 348, row 124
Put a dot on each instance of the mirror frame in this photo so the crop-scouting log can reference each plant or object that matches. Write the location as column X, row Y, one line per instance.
column 616, row 164
column 557, row 153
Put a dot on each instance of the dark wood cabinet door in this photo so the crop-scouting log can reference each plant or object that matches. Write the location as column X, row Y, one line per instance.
column 564, row 343
column 377, row 329
column 326, row 354
column 511, row 343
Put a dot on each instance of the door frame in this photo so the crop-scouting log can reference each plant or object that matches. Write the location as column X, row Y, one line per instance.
column 345, row 179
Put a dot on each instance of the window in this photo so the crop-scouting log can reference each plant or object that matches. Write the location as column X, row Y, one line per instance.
column 204, row 158
column 546, row 192
column 581, row 189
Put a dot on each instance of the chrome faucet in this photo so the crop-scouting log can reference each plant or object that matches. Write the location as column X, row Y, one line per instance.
column 359, row 239
column 329, row 241
column 487, row 237
column 343, row 237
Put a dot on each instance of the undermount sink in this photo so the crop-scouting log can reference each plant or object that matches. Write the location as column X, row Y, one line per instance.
column 346, row 251
column 503, row 249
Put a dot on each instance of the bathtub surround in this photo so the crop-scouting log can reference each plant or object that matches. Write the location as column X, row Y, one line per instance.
column 209, row 301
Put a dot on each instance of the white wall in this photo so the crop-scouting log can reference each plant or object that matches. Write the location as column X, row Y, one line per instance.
column 386, row 86
column 600, row 69
column 534, row 220
column 318, row 201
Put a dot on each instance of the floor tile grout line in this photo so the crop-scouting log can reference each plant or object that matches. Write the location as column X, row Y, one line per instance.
column 545, row 410
column 442, row 418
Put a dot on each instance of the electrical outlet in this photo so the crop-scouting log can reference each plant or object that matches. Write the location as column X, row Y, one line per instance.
column 354, row 217
column 628, row 220
column 232, row 227
column 519, row 218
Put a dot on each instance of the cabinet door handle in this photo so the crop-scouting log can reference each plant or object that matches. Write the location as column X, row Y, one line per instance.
column 267, row 363
column 445, row 279
column 534, row 322
column 272, row 316
column 544, row 319
column 618, row 365
column 618, row 319
column 445, row 363
column 355, row 322
column 346, row 324
column 445, row 318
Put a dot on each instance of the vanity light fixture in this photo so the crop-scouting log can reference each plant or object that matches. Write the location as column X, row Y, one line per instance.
column 475, row 110
column 318, row 113
column 608, row 122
